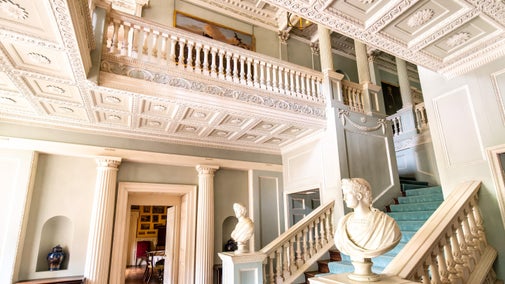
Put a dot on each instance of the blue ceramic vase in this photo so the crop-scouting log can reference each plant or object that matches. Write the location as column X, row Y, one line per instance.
column 55, row 258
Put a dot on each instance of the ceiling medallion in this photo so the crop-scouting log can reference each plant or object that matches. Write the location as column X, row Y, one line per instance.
column 267, row 126
column 295, row 130
column 190, row 128
column 112, row 99
column 199, row 115
column 66, row 109
column 7, row 100
column 458, row 39
column 420, row 18
column 159, row 108
column 55, row 89
column 154, row 123
column 250, row 137
column 13, row 9
column 113, row 117
column 366, row 2
column 221, row 133
column 236, row 120
column 39, row 58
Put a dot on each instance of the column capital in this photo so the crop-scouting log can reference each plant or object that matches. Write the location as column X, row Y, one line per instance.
column 108, row 162
column 283, row 36
column 314, row 47
column 206, row 169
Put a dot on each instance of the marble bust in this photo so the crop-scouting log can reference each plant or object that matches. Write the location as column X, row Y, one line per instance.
column 243, row 230
column 366, row 232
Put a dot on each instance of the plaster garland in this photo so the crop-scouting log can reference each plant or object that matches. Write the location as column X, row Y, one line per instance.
column 344, row 118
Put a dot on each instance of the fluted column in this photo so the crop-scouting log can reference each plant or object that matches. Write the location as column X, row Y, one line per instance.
column 403, row 81
column 205, row 225
column 362, row 62
column 325, row 52
column 102, row 218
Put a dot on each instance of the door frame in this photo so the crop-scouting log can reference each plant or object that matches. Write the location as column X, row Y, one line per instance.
column 187, row 194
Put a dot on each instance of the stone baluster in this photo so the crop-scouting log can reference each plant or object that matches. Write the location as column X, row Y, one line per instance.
column 198, row 58
column 220, row 67
column 97, row 264
column 280, row 71
column 236, row 77
column 205, row 66
column 442, row 262
column 297, row 82
column 145, row 40
column 189, row 59
column 312, row 241
column 299, row 246
column 285, row 260
column 125, row 44
column 271, row 261
column 275, row 84
column 204, row 259
column 163, row 47
column 135, row 41
column 292, row 257
column 262, row 74
column 278, row 269
column 182, row 47
column 256, row 80
column 268, row 71
column 115, row 37
column 292, row 84
column 173, row 43
column 435, row 273
column 243, row 73
column 213, row 66
column 154, row 45
column 228, row 67
column 249, row 72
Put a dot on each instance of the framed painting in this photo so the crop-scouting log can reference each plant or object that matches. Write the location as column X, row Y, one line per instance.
column 392, row 98
column 213, row 31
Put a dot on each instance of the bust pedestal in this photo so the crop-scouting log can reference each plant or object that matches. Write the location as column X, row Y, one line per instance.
column 344, row 279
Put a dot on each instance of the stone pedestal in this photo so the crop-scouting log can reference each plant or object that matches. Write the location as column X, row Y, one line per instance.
column 344, row 279
column 243, row 268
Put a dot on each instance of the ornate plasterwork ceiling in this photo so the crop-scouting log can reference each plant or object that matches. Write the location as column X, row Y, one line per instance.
column 448, row 36
column 43, row 81
column 43, row 75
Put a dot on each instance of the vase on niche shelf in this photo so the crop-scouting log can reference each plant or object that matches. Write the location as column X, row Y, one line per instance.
column 55, row 258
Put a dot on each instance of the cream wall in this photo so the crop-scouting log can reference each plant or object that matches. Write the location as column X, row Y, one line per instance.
column 466, row 118
column 62, row 199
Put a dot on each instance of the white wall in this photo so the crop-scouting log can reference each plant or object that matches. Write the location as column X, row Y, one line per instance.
column 466, row 117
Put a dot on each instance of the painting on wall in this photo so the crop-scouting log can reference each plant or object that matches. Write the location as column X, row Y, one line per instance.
column 392, row 98
column 151, row 217
column 213, row 31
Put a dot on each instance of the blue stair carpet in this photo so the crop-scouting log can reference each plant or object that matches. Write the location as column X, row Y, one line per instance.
column 419, row 202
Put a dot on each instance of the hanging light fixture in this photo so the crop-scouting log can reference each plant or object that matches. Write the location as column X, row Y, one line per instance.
column 299, row 23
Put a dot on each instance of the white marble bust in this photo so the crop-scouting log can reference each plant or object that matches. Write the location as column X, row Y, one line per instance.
column 243, row 230
column 366, row 232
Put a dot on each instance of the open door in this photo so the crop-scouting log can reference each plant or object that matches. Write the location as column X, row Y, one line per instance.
column 300, row 204
column 171, row 269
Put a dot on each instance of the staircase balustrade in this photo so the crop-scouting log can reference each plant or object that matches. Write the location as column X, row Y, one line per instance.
column 451, row 246
column 134, row 38
column 421, row 118
column 291, row 254
column 353, row 96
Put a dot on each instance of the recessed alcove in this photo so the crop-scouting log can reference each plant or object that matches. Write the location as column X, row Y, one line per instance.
column 228, row 225
column 55, row 231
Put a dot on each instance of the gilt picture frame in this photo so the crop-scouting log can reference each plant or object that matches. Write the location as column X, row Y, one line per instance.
column 213, row 30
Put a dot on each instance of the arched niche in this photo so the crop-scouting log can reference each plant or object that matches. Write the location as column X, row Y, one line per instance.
column 228, row 225
column 55, row 231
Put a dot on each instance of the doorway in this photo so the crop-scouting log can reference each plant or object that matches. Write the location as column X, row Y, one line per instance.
column 180, row 238
column 301, row 203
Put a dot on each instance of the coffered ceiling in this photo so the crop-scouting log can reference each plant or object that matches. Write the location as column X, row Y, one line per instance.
column 44, row 82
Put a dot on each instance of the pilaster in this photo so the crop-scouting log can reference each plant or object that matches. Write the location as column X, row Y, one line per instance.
column 205, row 225
column 102, row 219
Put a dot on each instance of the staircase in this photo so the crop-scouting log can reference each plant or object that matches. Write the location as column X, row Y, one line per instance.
column 410, row 211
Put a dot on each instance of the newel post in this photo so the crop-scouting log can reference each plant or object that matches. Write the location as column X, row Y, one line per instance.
column 242, row 266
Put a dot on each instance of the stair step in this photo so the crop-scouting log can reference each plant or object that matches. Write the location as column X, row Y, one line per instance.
column 420, row 198
column 425, row 190
column 411, row 216
column 322, row 265
column 409, row 181
column 421, row 206
column 410, row 225
column 335, row 255
column 409, row 186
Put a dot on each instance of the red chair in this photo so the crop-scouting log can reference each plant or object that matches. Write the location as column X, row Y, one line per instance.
column 142, row 248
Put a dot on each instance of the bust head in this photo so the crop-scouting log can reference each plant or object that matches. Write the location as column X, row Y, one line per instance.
column 356, row 190
column 239, row 209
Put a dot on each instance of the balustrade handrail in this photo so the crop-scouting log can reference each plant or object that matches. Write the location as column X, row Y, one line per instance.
column 296, row 81
column 296, row 228
column 450, row 245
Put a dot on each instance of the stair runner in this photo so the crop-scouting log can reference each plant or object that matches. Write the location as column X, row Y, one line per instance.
column 413, row 209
